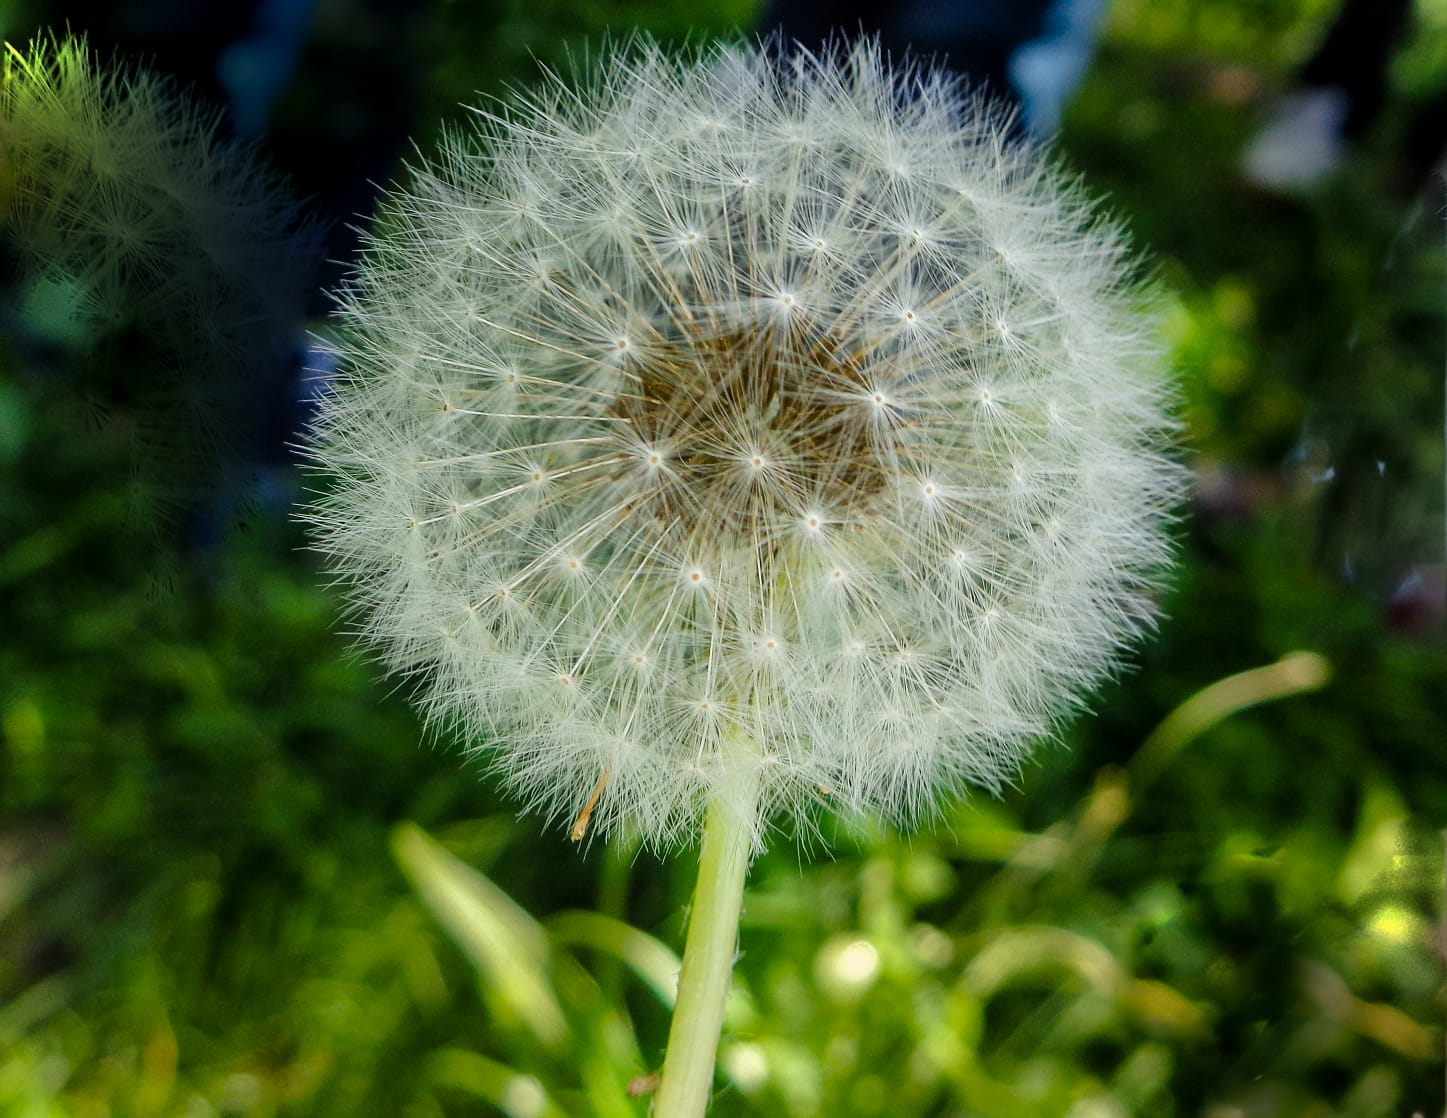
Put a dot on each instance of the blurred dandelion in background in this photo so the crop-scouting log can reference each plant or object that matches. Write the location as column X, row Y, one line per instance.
column 154, row 271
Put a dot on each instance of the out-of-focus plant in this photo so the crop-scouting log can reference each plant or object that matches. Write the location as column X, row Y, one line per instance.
column 156, row 272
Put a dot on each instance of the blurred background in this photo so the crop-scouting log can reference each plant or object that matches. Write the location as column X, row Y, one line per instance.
column 237, row 879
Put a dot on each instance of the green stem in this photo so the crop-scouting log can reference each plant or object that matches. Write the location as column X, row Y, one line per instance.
column 708, row 960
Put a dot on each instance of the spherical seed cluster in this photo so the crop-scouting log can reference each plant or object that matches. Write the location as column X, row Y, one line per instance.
column 760, row 420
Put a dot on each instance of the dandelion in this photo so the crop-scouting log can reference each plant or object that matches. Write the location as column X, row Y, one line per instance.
column 157, row 268
column 741, row 435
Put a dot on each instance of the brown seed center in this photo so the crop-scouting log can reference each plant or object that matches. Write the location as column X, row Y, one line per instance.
column 756, row 429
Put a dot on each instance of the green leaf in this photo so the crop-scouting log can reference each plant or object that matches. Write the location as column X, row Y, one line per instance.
column 506, row 945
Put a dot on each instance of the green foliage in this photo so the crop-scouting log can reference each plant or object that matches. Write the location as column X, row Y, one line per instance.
column 217, row 893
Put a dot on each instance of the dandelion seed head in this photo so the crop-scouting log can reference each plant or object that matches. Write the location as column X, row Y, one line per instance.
column 159, row 267
column 829, row 422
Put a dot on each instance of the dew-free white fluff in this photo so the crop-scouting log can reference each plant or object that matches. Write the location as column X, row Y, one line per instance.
column 756, row 422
